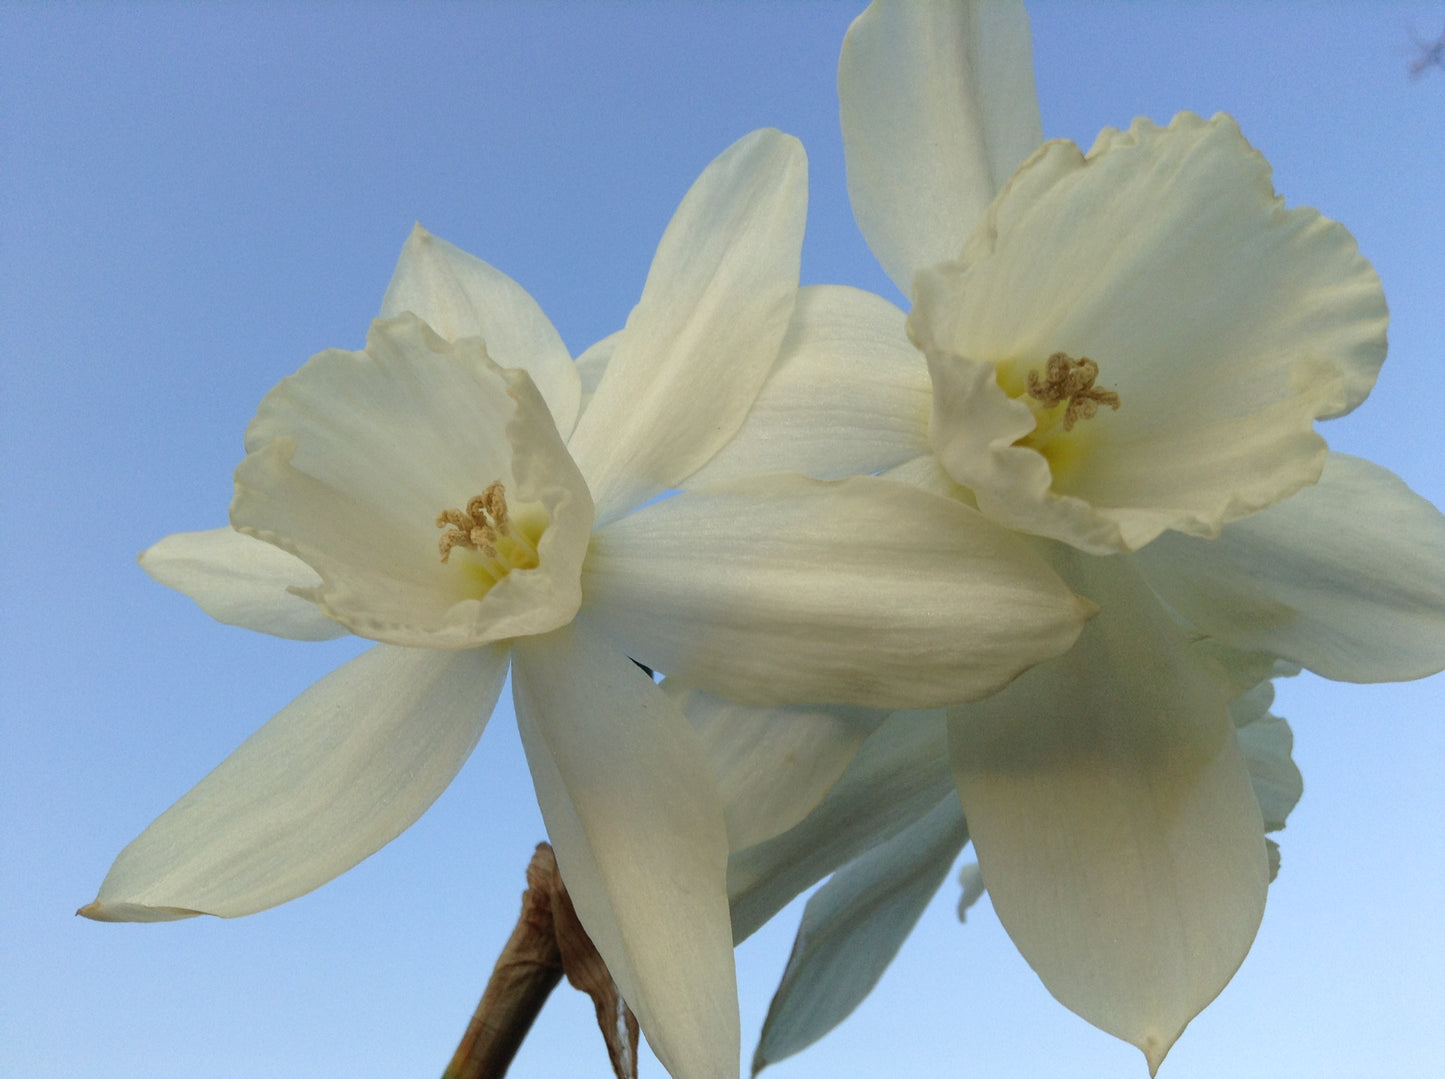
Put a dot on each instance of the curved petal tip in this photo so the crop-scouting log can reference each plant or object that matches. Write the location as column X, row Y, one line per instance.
column 134, row 912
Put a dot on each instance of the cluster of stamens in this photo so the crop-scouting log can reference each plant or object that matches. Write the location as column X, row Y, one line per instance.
column 479, row 526
column 1071, row 380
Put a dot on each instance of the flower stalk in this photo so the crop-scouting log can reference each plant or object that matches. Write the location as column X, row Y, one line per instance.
column 547, row 942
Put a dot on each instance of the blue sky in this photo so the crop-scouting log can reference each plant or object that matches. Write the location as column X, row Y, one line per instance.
column 194, row 199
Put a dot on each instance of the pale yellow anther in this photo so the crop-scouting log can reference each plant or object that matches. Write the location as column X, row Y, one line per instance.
column 1071, row 380
column 479, row 526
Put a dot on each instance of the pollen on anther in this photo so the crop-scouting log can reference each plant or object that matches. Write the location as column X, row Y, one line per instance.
column 1071, row 380
column 478, row 527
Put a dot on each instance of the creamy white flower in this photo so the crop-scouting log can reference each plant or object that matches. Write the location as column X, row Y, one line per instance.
column 1141, row 339
column 437, row 492
column 1119, row 354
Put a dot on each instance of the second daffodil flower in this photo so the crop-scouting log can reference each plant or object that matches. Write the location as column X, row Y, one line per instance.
column 438, row 493
column 1121, row 355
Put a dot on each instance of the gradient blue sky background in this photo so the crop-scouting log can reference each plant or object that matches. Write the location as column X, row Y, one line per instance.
column 194, row 199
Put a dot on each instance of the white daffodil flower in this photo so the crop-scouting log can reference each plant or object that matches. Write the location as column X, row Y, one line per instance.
column 438, row 493
column 1120, row 355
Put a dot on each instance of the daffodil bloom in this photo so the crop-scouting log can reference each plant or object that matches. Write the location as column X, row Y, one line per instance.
column 1121, row 355
column 438, row 493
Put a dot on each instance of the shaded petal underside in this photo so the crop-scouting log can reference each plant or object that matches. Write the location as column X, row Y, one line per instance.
column 1116, row 827
column 1346, row 578
column 773, row 765
column 852, row 928
column 899, row 775
column 849, row 395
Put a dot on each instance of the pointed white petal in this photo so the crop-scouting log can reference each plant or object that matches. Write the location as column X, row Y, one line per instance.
column 898, row 776
column 849, row 395
column 333, row 777
column 782, row 590
column 460, row 296
column 634, row 816
column 1224, row 323
column 1346, row 577
column 773, row 765
column 702, row 339
column 938, row 108
column 242, row 581
column 351, row 459
column 852, row 928
column 1115, row 825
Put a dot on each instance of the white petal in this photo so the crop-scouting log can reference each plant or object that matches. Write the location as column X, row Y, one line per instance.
column 1225, row 324
column 1346, row 577
column 459, row 295
column 783, row 590
column 1248, row 672
column 637, row 824
column 938, row 108
column 352, row 458
column 1267, row 743
column 1115, row 825
column 702, row 339
column 852, row 928
column 773, row 765
column 849, row 395
column 592, row 364
column 926, row 473
column 333, row 777
column 899, row 775
column 239, row 580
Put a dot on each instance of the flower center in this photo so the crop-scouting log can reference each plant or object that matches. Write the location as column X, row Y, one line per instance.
column 499, row 541
column 1059, row 396
column 1070, row 382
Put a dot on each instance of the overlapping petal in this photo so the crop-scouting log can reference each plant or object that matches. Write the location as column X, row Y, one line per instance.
column 700, row 342
column 634, row 816
column 783, row 590
column 899, row 775
column 773, row 765
column 849, row 395
column 352, row 459
column 852, row 928
column 938, row 108
column 1267, row 744
column 1346, row 578
column 241, row 581
column 1115, row 824
column 458, row 295
column 334, row 776
column 1224, row 323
